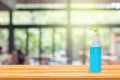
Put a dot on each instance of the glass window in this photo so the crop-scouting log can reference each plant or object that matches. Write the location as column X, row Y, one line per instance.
column 41, row 5
column 20, row 39
column 46, row 41
column 50, row 17
column 105, row 39
column 4, row 39
column 60, row 55
column 78, row 42
column 4, row 18
column 95, row 17
column 88, row 6
column 39, row 17
column 22, row 17
column 60, row 39
column 34, row 41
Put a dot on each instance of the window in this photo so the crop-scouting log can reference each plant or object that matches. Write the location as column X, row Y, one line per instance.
column 50, row 17
column 20, row 39
column 22, row 18
column 34, row 39
column 39, row 17
column 60, row 39
column 46, row 41
column 95, row 17
column 4, row 18
column 78, row 44
column 42, row 6
column 4, row 39
column 88, row 6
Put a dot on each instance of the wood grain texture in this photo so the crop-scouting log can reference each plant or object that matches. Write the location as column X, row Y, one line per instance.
column 26, row 72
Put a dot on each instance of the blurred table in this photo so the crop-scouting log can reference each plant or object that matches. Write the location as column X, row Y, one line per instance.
column 25, row 72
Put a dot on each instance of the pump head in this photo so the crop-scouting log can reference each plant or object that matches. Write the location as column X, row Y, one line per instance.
column 96, row 38
column 95, row 31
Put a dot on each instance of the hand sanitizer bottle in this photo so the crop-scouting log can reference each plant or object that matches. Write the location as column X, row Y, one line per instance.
column 95, row 53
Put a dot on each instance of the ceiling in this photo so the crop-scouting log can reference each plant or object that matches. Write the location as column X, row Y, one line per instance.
column 4, row 6
column 8, row 4
column 41, row 1
column 59, row 1
column 94, row 1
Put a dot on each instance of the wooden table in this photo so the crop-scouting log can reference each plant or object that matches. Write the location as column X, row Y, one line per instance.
column 14, row 72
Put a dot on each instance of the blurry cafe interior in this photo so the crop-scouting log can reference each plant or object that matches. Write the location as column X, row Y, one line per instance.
column 56, row 32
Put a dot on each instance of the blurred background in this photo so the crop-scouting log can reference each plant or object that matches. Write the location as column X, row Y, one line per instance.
column 56, row 32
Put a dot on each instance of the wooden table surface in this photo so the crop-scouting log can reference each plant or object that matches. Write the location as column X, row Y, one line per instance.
column 26, row 72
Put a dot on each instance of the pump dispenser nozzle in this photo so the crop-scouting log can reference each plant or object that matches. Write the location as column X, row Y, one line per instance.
column 96, row 39
column 95, row 30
